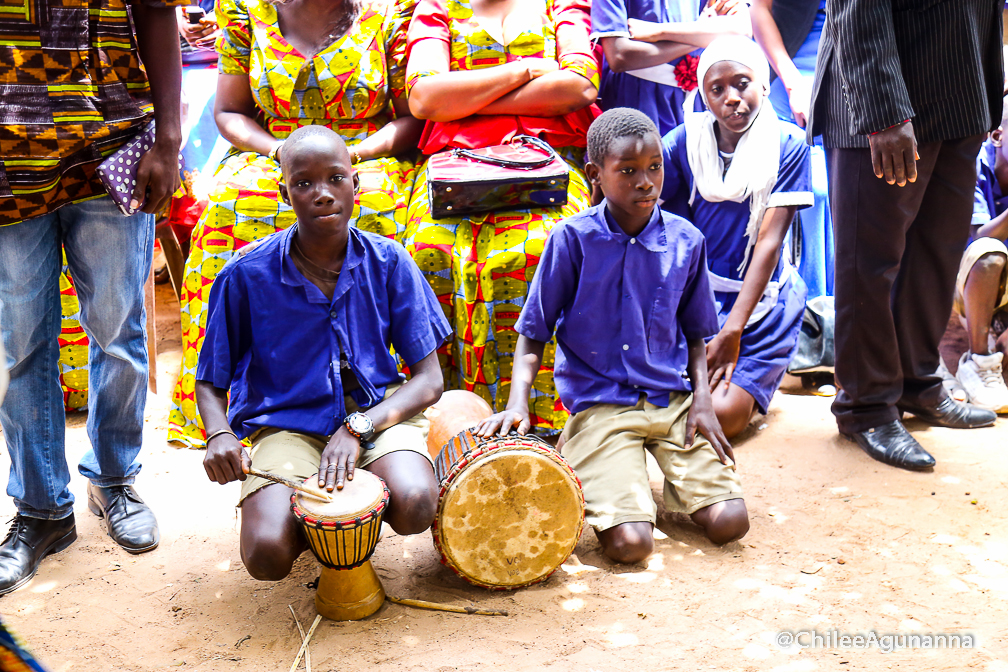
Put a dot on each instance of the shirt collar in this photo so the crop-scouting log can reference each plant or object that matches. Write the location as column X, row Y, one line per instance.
column 289, row 275
column 652, row 237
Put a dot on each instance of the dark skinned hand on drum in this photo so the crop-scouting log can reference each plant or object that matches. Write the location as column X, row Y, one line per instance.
column 338, row 460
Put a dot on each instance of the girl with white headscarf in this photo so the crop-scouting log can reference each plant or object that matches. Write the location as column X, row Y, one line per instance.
column 739, row 175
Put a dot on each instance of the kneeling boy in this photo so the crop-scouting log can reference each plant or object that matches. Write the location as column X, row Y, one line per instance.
column 299, row 330
column 625, row 286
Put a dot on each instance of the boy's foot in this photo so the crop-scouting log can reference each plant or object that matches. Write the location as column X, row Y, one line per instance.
column 983, row 381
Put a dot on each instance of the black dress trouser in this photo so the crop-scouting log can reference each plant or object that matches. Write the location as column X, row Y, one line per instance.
column 897, row 255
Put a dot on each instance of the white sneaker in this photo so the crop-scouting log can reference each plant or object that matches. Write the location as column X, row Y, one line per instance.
column 951, row 384
column 981, row 376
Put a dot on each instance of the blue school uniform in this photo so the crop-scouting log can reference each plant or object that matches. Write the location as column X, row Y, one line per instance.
column 662, row 102
column 276, row 341
column 623, row 307
column 816, row 264
column 988, row 201
column 767, row 345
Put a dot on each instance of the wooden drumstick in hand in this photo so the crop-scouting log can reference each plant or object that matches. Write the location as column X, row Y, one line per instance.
column 290, row 484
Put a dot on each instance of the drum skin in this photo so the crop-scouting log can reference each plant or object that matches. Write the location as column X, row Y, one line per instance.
column 343, row 533
column 454, row 412
column 510, row 510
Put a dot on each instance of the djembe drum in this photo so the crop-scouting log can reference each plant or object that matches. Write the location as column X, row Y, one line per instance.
column 343, row 535
column 510, row 509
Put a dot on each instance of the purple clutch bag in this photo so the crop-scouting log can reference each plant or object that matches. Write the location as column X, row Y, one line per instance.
column 118, row 172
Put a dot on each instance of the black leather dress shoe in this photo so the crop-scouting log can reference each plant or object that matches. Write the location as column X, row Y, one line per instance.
column 28, row 541
column 893, row 444
column 130, row 522
column 952, row 413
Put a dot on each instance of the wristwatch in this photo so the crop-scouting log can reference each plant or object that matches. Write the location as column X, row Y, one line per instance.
column 360, row 425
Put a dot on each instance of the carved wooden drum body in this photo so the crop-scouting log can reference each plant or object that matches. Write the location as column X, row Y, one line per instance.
column 343, row 535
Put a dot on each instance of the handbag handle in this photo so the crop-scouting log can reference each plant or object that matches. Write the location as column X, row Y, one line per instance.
column 551, row 155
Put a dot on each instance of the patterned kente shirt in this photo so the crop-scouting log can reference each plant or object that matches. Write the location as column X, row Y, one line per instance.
column 72, row 91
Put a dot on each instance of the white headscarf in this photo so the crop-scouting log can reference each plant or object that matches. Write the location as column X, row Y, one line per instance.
column 753, row 169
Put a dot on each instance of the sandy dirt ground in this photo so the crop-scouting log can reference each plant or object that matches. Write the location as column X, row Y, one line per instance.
column 838, row 542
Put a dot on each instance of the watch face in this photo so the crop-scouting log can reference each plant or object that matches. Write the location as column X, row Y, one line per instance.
column 359, row 423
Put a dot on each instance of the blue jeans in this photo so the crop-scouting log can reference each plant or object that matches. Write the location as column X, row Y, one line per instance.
column 109, row 257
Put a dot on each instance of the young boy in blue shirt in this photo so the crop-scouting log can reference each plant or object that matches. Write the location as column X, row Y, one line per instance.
column 299, row 330
column 624, row 286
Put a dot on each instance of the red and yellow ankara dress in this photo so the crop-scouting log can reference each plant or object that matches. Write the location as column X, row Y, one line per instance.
column 480, row 266
column 348, row 87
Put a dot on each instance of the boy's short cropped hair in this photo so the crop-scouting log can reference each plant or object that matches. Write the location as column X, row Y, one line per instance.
column 301, row 134
column 618, row 122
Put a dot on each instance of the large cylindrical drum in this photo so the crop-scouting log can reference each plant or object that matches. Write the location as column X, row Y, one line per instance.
column 510, row 509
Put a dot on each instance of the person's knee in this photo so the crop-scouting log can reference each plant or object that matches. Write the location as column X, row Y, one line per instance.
column 988, row 268
column 725, row 521
column 627, row 543
column 734, row 413
column 267, row 556
column 412, row 507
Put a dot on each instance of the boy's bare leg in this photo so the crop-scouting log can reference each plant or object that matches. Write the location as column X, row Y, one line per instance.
column 724, row 521
column 413, row 490
column 627, row 542
column 733, row 407
column 979, row 296
column 271, row 538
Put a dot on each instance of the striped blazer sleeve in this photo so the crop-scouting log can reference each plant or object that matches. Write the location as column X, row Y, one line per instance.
column 869, row 65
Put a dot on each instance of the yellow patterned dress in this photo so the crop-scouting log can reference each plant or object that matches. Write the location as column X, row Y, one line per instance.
column 480, row 266
column 348, row 87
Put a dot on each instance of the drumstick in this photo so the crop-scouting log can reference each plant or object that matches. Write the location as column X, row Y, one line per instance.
column 435, row 606
column 290, row 484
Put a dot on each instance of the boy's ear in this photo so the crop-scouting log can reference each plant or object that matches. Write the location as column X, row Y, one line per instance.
column 593, row 173
column 284, row 196
column 356, row 182
column 997, row 136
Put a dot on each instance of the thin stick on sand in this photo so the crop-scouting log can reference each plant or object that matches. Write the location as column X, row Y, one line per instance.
column 304, row 644
column 436, row 606
column 307, row 653
column 290, row 484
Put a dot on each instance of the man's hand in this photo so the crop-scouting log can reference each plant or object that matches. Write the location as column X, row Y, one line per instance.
column 501, row 423
column 226, row 459
column 702, row 418
column 338, row 460
column 894, row 154
column 157, row 177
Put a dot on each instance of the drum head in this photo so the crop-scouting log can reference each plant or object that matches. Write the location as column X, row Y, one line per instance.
column 358, row 497
column 510, row 518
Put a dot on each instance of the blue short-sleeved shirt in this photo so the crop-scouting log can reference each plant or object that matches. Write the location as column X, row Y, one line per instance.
column 988, row 201
column 623, row 308
column 724, row 224
column 662, row 102
column 275, row 340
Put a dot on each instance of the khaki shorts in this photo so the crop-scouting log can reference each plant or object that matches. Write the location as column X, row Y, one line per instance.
column 971, row 256
column 297, row 456
column 605, row 445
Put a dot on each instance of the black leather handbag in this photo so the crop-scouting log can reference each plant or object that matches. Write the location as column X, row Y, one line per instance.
column 524, row 173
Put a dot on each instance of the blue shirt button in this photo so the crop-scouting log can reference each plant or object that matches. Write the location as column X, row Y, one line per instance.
column 333, row 314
